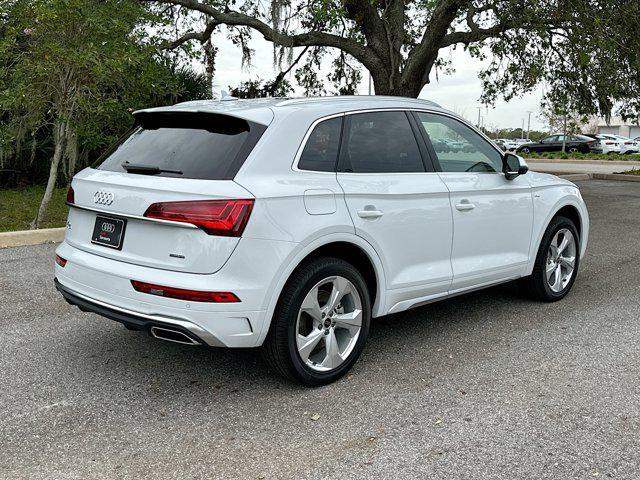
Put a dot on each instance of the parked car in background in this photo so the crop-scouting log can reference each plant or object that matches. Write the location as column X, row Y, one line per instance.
column 506, row 144
column 454, row 145
column 522, row 141
column 553, row 143
column 627, row 145
column 290, row 224
column 604, row 145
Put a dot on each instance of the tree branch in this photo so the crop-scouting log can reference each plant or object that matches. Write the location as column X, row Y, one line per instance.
column 423, row 56
column 311, row 39
column 187, row 37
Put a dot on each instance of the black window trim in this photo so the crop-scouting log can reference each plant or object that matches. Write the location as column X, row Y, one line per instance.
column 432, row 151
column 411, row 112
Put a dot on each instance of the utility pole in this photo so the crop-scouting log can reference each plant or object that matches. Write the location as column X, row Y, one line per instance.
column 522, row 130
column 529, row 124
column 479, row 110
column 369, row 83
column 564, row 133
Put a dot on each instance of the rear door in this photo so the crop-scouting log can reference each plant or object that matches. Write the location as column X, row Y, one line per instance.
column 492, row 216
column 164, row 195
column 397, row 202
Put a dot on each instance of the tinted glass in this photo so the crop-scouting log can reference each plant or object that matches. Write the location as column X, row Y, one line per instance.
column 551, row 139
column 201, row 146
column 458, row 147
column 381, row 142
column 321, row 150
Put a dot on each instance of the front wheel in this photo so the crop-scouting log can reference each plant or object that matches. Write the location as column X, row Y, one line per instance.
column 320, row 324
column 557, row 261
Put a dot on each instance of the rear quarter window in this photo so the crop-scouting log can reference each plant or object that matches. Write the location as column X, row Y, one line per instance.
column 320, row 153
column 204, row 146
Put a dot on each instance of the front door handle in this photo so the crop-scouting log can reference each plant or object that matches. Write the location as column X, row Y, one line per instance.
column 369, row 213
column 465, row 205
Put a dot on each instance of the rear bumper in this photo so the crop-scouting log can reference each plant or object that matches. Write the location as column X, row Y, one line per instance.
column 103, row 286
column 136, row 320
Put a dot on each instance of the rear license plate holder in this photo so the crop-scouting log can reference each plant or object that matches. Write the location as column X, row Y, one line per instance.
column 109, row 231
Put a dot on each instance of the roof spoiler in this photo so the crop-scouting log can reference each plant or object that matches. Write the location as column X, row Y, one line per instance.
column 210, row 121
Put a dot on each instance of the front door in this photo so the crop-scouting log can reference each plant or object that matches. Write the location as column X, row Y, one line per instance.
column 492, row 216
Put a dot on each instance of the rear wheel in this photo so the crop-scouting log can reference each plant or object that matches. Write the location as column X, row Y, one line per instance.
column 320, row 324
column 556, row 263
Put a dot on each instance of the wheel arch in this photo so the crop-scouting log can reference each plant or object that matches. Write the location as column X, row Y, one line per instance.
column 350, row 248
column 575, row 211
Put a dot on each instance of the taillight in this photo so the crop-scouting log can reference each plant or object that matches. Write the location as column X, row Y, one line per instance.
column 182, row 294
column 71, row 195
column 226, row 218
column 60, row 261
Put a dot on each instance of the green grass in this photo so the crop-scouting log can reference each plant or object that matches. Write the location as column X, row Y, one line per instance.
column 18, row 207
column 581, row 156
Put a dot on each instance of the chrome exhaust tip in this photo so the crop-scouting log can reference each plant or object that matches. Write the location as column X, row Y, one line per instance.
column 171, row 335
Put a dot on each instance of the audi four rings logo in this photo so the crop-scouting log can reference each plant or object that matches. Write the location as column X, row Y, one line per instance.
column 108, row 227
column 103, row 198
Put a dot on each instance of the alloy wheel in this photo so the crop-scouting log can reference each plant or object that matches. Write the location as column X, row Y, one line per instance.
column 329, row 323
column 561, row 260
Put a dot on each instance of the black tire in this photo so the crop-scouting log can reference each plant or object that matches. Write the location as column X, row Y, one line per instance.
column 279, row 349
column 526, row 150
column 536, row 284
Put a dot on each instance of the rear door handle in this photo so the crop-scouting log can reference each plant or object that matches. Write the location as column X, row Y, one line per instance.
column 465, row 205
column 369, row 213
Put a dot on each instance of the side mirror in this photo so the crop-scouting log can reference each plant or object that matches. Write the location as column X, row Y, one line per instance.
column 513, row 165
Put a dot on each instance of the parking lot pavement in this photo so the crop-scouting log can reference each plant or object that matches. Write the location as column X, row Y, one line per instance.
column 487, row 385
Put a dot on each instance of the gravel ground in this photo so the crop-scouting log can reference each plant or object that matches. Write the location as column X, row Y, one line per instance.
column 487, row 385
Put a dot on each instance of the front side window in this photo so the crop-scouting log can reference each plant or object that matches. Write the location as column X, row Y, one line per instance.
column 457, row 147
column 381, row 142
column 320, row 153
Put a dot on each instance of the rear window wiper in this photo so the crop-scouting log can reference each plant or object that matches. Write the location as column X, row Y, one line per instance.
column 147, row 169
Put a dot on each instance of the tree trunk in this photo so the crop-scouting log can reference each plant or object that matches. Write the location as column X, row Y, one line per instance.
column 59, row 139
column 71, row 152
column 210, row 52
column 383, row 86
column 32, row 155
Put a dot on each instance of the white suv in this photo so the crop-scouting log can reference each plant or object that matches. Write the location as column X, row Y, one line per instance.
column 289, row 224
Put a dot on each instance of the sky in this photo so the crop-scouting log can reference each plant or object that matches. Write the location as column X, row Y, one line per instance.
column 459, row 92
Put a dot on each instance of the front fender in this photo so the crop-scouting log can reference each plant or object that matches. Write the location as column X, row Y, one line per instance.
column 548, row 201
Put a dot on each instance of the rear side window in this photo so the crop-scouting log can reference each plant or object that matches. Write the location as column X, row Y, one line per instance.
column 320, row 153
column 381, row 142
column 185, row 145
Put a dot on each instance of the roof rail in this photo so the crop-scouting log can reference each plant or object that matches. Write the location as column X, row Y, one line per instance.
column 351, row 98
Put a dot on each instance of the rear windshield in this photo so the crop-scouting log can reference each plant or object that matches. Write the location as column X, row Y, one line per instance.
column 185, row 145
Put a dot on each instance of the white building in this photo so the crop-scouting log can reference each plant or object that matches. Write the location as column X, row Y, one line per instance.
column 618, row 126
